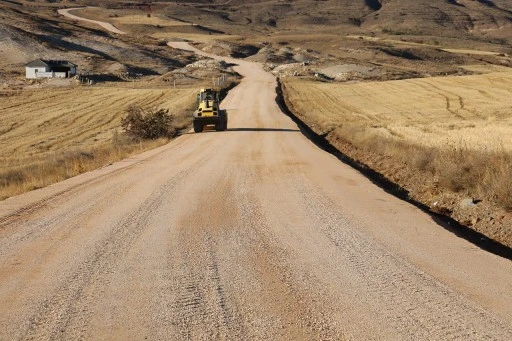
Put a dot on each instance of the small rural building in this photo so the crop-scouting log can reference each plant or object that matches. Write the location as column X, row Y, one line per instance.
column 50, row 69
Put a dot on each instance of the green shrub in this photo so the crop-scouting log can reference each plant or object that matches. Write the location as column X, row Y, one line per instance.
column 148, row 123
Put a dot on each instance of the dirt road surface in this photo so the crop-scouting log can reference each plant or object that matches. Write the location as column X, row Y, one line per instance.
column 105, row 25
column 253, row 233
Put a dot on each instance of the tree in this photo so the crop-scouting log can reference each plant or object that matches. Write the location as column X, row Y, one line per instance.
column 148, row 123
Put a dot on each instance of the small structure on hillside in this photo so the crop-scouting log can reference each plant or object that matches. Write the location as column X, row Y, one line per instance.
column 40, row 68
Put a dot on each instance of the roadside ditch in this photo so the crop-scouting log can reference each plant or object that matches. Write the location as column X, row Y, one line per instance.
column 348, row 156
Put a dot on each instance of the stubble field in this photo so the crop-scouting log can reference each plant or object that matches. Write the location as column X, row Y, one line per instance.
column 468, row 111
column 444, row 140
column 65, row 131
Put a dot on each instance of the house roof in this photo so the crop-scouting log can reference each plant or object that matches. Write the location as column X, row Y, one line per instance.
column 50, row 63
column 37, row 62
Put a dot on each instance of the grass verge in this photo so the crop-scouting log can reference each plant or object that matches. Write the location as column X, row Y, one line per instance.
column 63, row 165
column 456, row 168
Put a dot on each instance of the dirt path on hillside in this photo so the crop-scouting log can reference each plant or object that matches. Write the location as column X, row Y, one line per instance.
column 253, row 233
column 105, row 25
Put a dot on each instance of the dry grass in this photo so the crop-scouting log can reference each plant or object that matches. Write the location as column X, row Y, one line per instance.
column 42, row 122
column 456, row 129
column 156, row 25
column 456, row 167
column 438, row 111
column 139, row 19
column 48, row 135
column 481, row 174
column 65, row 164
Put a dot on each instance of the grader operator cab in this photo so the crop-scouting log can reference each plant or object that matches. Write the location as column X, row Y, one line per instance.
column 209, row 112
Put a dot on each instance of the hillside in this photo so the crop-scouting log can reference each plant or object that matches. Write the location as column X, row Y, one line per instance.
column 30, row 30
column 477, row 18
column 33, row 29
column 470, row 19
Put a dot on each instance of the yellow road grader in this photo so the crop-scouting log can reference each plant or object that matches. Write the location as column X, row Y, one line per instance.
column 209, row 112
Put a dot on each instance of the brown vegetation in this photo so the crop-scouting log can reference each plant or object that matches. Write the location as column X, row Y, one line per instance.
column 148, row 123
column 470, row 172
column 65, row 164
column 444, row 140
column 51, row 135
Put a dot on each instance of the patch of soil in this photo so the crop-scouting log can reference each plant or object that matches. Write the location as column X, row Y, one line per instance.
column 203, row 70
column 428, row 54
column 229, row 49
column 401, row 53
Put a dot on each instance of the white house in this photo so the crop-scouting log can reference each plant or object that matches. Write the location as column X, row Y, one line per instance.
column 50, row 69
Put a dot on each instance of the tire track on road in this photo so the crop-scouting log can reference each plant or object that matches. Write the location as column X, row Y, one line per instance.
column 417, row 305
column 56, row 313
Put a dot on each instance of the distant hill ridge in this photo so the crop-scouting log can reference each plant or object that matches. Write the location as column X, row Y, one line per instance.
column 406, row 15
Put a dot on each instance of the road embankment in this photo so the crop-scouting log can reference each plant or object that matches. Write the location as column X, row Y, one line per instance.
column 396, row 180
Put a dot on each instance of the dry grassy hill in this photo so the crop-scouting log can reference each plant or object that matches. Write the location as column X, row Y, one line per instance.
column 505, row 4
column 31, row 30
column 473, row 18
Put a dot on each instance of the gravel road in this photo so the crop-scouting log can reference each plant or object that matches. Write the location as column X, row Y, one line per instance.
column 249, row 234
column 105, row 25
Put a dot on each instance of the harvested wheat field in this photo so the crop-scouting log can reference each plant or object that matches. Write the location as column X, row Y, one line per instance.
column 444, row 140
column 472, row 111
column 41, row 122
column 41, row 127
